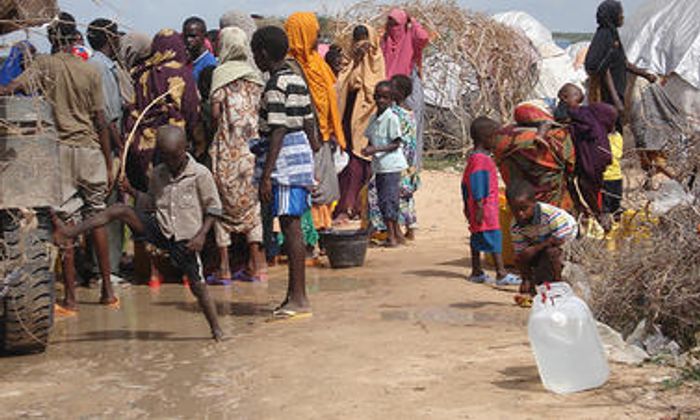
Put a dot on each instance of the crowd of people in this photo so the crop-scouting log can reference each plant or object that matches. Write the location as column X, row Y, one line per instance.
column 204, row 138
column 255, row 139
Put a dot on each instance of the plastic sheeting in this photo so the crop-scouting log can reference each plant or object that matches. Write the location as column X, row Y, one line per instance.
column 556, row 66
column 664, row 36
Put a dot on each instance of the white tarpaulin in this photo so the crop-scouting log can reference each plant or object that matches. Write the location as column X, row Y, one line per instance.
column 556, row 66
column 664, row 36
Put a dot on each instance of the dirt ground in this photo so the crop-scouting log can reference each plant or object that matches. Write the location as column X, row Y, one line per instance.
column 403, row 337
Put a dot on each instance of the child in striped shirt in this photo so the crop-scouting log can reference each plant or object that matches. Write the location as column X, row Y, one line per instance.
column 538, row 233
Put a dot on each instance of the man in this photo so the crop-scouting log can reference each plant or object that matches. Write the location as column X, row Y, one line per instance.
column 74, row 88
column 194, row 31
column 175, row 215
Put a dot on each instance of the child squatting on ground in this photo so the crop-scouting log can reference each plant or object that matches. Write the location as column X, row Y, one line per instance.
column 538, row 232
column 175, row 215
column 480, row 198
column 388, row 160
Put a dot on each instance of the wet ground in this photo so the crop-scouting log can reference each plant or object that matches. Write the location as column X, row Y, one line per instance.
column 403, row 337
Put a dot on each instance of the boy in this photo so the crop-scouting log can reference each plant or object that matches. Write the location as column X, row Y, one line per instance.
column 538, row 231
column 183, row 196
column 612, row 181
column 384, row 134
column 480, row 198
column 286, row 126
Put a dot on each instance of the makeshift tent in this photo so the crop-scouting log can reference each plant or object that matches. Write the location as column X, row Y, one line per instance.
column 556, row 66
column 19, row 14
column 664, row 37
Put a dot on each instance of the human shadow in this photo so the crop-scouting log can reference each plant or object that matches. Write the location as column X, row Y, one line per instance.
column 436, row 273
column 128, row 335
column 476, row 304
column 223, row 308
column 520, row 378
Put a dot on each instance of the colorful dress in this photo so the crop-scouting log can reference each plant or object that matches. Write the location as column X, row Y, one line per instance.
column 480, row 183
column 233, row 164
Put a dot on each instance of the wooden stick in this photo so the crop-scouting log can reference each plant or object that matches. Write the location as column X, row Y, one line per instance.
column 130, row 139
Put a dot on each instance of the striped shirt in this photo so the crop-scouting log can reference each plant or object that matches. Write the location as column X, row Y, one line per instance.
column 286, row 102
column 548, row 221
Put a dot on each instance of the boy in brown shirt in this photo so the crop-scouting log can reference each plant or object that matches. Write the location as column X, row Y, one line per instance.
column 175, row 215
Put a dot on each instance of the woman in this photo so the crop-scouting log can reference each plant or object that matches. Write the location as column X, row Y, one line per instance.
column 135, row 49
column 166, row 70
column 302, row 30
column 403, row 44
column 356, row 82
column 235, row 95
column 532, row 150
column 606, row 61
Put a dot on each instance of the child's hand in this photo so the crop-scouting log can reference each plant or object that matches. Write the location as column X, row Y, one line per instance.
column 369, row 151
column 479, row 216
column 196, row 244
column 266, row 190
column 125, row 187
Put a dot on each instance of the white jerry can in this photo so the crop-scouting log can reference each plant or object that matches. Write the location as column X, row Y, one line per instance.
column 564, row 339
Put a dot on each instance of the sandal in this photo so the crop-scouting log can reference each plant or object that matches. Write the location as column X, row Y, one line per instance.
column 523, row 301
column 242, row 276
column 509, row 280
column 214, row 280
column 285, row 314
column 481, row 278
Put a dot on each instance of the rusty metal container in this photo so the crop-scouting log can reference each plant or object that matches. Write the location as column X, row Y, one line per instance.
column 29, row 158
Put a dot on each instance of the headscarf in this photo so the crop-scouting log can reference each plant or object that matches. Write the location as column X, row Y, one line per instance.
column 608, row 14
column 403, row 45
column 135, row 47
column 362, row 78
column 240, row 20
column 16, row 62
column 532, row 113
column 233, row 55
column 599, row 57
column 590, row 126
column 166, row 69
column 302, row 30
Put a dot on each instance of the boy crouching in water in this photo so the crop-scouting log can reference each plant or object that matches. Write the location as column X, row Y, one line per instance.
column 175, row 215
column 538, row 233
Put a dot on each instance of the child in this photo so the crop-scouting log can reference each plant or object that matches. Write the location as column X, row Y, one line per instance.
column 286, row 127
column 538, row 232
column 182, row 204
column 402, row 87
column 480, row 198
column 388, row 160
column 612, row 182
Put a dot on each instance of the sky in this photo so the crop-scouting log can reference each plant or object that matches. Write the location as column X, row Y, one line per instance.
column 151, row 15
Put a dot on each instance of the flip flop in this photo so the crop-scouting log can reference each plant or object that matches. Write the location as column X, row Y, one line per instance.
column 113, row 305
column 523, row 301
column 482, row 278
column 214, row 280
column 509, row 279
column 242, row 276
column 63, row 312
column 285, row 314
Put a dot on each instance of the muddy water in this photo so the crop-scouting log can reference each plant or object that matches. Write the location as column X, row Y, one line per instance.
column 153, row 356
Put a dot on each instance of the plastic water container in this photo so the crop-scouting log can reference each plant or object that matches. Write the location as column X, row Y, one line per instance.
column 564, row 338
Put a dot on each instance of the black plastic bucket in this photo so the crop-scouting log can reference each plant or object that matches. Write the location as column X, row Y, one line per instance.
column 345, row 248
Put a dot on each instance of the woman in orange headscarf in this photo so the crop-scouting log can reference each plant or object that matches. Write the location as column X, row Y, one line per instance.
column 356, row 84
column 302, row 31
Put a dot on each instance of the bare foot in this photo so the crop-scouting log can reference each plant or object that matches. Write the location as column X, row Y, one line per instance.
column 217, row 335
column 410, row 234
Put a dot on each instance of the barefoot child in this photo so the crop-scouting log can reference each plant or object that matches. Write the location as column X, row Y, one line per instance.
column 175, row 215
column 480, row 198
column 388, row 160
column 539, row 231
column 286, row 127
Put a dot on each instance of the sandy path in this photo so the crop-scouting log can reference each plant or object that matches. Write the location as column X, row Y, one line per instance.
column 404, row 337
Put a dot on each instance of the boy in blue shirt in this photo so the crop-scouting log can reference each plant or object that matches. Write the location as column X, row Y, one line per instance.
column 388, row 160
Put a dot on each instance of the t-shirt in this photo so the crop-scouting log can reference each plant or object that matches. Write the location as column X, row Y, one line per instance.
column 286, row 102
column 206, row 59
column 548, row 221
column 614, row 171
column 110, row 86
column 480, row 182
column 182, row 202
column 382, row 131
column 74, row 89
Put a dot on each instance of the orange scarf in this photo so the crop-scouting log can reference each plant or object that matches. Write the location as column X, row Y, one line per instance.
column 302, row 30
